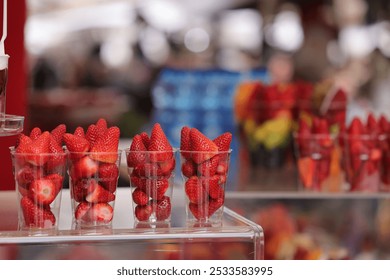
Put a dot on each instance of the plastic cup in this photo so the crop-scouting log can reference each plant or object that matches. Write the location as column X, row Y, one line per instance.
column 205, row 176
column 93, row 180
column 151, row 175
column 362, row 162
column 318, row 160
column 39, row 181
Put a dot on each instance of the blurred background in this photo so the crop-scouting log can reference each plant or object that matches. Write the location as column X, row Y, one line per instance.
column 178, row 62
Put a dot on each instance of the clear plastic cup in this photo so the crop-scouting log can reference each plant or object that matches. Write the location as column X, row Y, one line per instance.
column 93, row 180
column 205, row 177
column 151, row 175
column 39, row 181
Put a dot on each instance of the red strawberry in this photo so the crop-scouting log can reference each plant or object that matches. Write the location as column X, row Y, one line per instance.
column 76, row 144
column 356, row 127
column 372, row 124
column 163, row 208
column 57, row 157
column 384, row 125
column 200, row 143
column 189, row 168
column 81, row 212
column 223, row 141
column 27, row 174
column 214, row 205
column 101, row 213
column 108, row 174
column 43, row 191
column 101, row 125
column 35, row 216
column 137, row 154
column 37, row 150
column 156, row 188
column 143, row 212
column 160, row 144
column 213, row 188
column 222, row 168
column 35, row 133
column 185, row 144
column 147, row 170
column 195, row 191
column 140, row 197
column 198, row 211
column 145, row 139
column 137, row 181
column 80, row 189
column 166, row 167
column 92, row 134
column 84, row 168
column 100, row 194
column 208, row 167
column 108, row 145
column 23, row 142
column 57, row 180
column 58, row 132
column 79, row 131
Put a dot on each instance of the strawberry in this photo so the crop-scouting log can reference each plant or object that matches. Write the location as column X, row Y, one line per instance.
column 108, row 174
column 214, row 205
column 185, row 144
column 101, row 213
column 58, row 132
column 197, row 211
column 36, row 150
column 145, row 139
column 156, row 188
column 35, row 216
column 57, row 180
column 76, row 144
column 137, row 154
column 79, row 131
column 27, row 174
column 166, row 167
column 35, row 133
column 189, row 168
column 136, row 181
column 101, row 125
column 200, row 143
column 143, row 212
column 320, row 128
column 223, row 141
column 356, row 127
column 140, row 197
column 100, row 194
column 57, row 157
column 43, row 191
column 372, row 124
column 80, row 189
column 162, row 208
column 384, row 125
column 24, row 141
column 108, row 145
column 208, row 167
column 222, row 168
column 84, row 168
column 147, row 170
column 212, row 187
column 81, row 212
column 160, row 144
column 92, row 134
column 195, row 191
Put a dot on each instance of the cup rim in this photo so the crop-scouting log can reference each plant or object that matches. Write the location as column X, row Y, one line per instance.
column 119, row 151
column 13, row 152
column 207, row 152
column 127, row 150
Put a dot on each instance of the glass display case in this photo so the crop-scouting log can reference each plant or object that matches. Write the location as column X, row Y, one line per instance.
column 236, row 238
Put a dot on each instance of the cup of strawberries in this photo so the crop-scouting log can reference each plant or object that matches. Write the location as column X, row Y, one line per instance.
column 39, row 167
column 204, row 168
column 93, row 168
column 151, row 163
